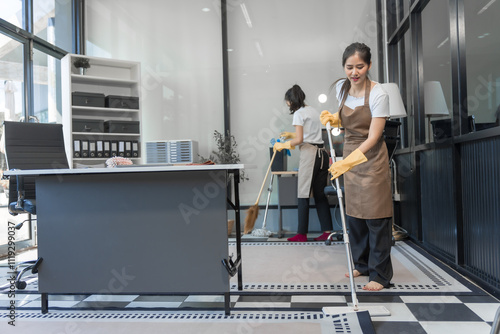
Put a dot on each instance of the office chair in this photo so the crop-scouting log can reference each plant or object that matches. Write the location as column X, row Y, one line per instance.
column 30, row 146
column 330, row 191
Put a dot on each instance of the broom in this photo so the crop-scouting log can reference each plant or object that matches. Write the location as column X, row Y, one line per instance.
column 253, row 211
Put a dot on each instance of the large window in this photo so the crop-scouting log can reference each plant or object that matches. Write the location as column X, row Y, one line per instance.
column 12, row 12
column 11, row 90
column 46, row 88
column 52, row 22
column 483, row 68
column 33, row 37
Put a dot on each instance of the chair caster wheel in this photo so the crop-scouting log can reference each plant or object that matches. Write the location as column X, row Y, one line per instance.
column 21, row 285
column 340, row 237
column 328, row 242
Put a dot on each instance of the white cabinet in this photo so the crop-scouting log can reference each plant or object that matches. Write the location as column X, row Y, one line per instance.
column 107, row 77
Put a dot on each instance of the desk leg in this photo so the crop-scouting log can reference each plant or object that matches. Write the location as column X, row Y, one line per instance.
column 280, row 229
column 45, row 303
column 227, row 303
column 238, row 225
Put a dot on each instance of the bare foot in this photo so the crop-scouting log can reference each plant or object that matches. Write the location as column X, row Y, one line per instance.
column 355, row 273
column 373, row 286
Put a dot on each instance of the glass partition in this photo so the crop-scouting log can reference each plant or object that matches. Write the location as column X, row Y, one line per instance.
column 179, row 46
column 437, row 70
column 482, row 54
column 274, row 45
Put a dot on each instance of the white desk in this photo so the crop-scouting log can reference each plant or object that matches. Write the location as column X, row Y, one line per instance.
column 135, row 230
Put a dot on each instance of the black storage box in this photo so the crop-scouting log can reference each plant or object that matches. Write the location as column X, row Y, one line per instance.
column 126, row 102
column 87, row 125
column 121, row 126
column 279, row 163
column 88, row 99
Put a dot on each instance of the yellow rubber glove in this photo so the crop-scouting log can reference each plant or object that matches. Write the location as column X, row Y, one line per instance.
column 340, row 167
column 281, row 146
column 287, row 135
column 326, row 117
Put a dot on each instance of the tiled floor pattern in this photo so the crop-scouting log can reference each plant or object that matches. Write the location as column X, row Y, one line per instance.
column 409, row 314
column 431, row 313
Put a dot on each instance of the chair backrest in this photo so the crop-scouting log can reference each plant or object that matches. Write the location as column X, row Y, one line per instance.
column 391, row 136
column 32, row 146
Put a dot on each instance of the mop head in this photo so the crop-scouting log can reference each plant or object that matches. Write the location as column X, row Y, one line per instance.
column 375, row 311
column 261, row 232
column 252, row 214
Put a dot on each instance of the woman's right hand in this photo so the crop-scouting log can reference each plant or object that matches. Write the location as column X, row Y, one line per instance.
column 327, row 117
column 287, row 135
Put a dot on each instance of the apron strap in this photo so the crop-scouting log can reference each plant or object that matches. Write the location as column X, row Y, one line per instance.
column 367, row 92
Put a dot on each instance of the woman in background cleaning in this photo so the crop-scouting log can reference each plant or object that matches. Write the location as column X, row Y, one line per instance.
column 364, row 107
column 313, row 165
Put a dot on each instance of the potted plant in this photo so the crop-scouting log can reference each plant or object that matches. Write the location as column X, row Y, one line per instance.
column 226, row 152
column 81, row 63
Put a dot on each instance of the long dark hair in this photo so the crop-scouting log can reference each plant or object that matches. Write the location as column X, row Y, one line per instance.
column 296, row 97
column 364, row 53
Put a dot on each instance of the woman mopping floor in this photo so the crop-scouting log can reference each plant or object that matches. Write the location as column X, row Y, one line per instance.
column 364, row 106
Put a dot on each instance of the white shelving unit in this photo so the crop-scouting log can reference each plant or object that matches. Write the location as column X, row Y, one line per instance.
column 109, row 77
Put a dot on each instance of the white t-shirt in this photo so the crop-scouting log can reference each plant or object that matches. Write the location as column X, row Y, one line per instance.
column 378, row 100
column 308, row 118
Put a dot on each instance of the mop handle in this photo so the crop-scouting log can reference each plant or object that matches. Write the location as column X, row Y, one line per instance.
column 265, row 178
column 269, row 191
column 344, row 225
column 332, row 150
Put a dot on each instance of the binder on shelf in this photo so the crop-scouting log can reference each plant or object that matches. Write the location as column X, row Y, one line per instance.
column 85, row 148
column 121, row 148
column 107, row 148
column 99, row 149
column 128, row 149
column 92, row 151
column 77, row 151
column 135, row 149
column 114, row 149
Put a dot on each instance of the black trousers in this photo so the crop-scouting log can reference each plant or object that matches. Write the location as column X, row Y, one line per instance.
column 371, row 241
column 318, row 184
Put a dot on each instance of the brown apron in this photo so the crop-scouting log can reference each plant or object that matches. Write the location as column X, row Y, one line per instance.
column 367, row 186
column 306, row 169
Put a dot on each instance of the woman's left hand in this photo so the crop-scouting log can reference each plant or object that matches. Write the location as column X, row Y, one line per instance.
column 340, row 167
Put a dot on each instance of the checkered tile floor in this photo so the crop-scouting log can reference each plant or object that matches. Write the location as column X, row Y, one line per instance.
column 409, row 313
column 456, row 313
